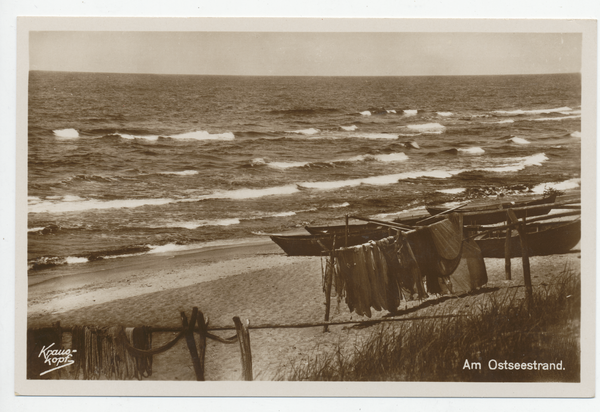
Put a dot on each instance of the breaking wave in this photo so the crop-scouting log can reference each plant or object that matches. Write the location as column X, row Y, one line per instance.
column 66, row 133
column 429, row 128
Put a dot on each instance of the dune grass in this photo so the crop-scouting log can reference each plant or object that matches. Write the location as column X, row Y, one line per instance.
column 494, row 327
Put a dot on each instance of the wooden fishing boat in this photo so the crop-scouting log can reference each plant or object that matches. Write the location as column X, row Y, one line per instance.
column 340, row 230
column 546, row 238
column 321, row 244
column 483, row 214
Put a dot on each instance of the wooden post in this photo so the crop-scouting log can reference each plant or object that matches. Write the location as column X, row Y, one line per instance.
column 244, row 339
column 347, row 231
column 328, row 283
column 202, row 323
column 329, row 280
column 507, row 252
column 525, row 257
column 522, row 229
column 191, row 343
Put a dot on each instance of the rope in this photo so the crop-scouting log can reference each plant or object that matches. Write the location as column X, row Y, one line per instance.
column 232, row 339
column 155, row 351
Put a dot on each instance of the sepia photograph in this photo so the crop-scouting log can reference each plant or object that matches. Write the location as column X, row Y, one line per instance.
column 306, row 201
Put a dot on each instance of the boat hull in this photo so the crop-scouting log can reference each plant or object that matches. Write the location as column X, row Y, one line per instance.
column 482, row 215
column 340, row 230
column 542, row 239
column 321, row 244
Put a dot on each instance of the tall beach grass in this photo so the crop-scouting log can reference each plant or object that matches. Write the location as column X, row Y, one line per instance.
column 485, row 330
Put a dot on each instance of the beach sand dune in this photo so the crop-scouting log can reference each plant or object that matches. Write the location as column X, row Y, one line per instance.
column 255, row 282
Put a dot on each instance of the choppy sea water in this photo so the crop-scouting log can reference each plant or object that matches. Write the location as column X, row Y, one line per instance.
column 122, row 164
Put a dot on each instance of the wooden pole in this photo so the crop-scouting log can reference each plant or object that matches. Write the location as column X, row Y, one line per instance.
column 522, row 229
column 393, row 225
column 328, row 283
column 444, row 212
column 507, row 251
column 526, row 267
column 244, row 339
column 202, row 323
column 347, row 232
column 191, row 343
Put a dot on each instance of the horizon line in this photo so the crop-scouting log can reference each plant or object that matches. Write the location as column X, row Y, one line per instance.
column 305, row 75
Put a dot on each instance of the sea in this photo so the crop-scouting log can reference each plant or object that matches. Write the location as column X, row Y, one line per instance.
column 131, row 164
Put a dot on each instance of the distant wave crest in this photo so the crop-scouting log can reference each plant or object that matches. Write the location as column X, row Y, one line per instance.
column 429, row 128
column 536, row 111
column 306, row 132
column 66, row 133
column 519, row 140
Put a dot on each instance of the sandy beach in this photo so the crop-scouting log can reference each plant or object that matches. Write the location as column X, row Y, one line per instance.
column 255, row 281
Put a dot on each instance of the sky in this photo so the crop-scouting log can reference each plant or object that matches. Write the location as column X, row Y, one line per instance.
column 306, row 54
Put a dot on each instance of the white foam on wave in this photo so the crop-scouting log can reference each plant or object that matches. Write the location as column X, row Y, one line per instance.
column 133, row 137
column 378, row 180
column 504, row 121
column 452, row 191
column 286, row 165
column 576, row 134
column 536, row 111
column 375, row 136
column 547, row 119
column 430, row 128
column 259, row 161
column 35, row 229
column 171, row 247
column 519, row 140
column 391, row 111
column 250, row 193
column 284, row 214
column 349, row 128
column 366, row 113
column 391, row 157
column 519, row 164
column 183, row 173
column 566, row 185
column 197, row 135
column 515, row 164
column 200, row 223
column 77, row 204
column 410, row 112
column 66, row 133
column 445, row 114
column 472, row 150
column 72, row 259
column 203, row 135
column 345, row 204
column 305, row 132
